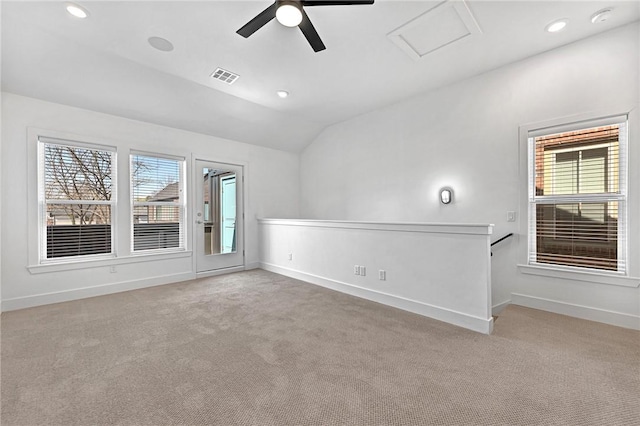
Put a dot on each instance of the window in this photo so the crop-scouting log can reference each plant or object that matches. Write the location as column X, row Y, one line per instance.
column 578, row 195
column 77, row 199
column 158, row 203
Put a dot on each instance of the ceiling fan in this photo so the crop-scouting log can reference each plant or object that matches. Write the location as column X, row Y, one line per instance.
column 290, row 13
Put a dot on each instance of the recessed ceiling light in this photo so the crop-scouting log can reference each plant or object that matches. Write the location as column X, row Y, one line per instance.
column 77, row 11
column 282, row 93
column 556, row 26
column 601, row 16
column 161, row 44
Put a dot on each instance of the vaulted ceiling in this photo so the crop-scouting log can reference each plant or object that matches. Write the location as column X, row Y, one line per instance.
column 376, row 55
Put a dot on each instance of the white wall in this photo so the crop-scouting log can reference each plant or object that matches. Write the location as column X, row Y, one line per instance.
column 389, row 164
column 438, row 270
column 271, row 181
column 1, row 198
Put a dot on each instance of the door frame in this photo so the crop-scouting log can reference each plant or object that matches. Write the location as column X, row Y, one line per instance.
column 193, row 208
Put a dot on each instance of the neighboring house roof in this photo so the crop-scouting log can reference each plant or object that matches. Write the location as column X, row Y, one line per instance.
column 170, row 192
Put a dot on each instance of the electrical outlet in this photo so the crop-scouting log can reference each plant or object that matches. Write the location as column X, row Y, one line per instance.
column 356, row 270
column 290, row 256
column 363, row 271
column 511, row 216
column 112, row 269
column 382, row 275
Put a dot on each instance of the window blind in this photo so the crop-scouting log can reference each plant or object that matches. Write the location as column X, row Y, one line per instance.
column 77, row 187
column 158, row 203
column 577, row 197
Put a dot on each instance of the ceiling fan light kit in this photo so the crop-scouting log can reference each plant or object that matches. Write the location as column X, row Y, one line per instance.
column 290, row 13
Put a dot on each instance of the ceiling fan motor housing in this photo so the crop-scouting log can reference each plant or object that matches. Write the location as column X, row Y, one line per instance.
column 296, row 3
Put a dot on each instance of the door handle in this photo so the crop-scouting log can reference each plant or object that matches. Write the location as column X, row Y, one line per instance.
column 199, row 222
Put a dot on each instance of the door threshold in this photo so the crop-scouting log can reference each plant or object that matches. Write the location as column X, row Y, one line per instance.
column 222, row 271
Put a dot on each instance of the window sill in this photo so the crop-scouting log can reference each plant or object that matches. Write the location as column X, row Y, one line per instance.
column 86, row 264
column 592, row 277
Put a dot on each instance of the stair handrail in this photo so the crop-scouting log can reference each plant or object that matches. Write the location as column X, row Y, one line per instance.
column 510, row 234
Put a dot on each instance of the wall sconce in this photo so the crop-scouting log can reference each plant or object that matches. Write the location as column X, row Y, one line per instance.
column 446, row 195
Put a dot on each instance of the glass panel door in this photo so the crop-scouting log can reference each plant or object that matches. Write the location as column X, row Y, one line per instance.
column 218, row 212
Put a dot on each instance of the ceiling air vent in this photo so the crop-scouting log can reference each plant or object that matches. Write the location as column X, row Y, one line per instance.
column 224, row 75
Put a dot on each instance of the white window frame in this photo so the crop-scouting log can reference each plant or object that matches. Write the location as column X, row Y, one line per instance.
column 628, row 278
column 182, row 203
column 42, row 201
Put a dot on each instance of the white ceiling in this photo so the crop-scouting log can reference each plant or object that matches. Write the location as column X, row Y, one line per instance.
column 104, row 62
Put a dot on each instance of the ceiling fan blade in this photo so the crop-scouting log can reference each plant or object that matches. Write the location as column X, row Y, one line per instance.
column 259, row 21
column 310, row 33
column 334, row 2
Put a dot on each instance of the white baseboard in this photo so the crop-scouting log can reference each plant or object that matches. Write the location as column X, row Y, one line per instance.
column 460, row 319
column 496, row 309
column 584, row 312
column 86, row 292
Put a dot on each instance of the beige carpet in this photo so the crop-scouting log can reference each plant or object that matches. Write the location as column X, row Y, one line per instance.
column 256, row 348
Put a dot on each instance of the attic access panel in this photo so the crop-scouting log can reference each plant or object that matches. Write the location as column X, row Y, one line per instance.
column 440, row 26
